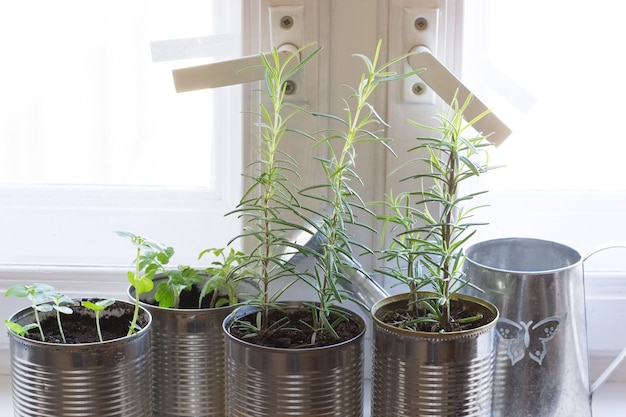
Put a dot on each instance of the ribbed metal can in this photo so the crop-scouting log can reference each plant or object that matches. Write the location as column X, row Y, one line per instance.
column 263, row 381
column 431, row 374
column 100, row 379
column 188, row 361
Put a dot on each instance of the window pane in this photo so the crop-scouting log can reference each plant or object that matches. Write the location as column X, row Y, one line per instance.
column 83, row 102
column 94, row 138
column 553, row 71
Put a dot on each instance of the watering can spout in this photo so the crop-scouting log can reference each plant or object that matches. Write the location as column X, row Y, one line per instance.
column 363, row 288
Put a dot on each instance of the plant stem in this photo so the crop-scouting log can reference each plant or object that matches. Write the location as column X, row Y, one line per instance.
column 470, row 319
column 98, row 325
column 43, row 339
column 271, row 138
column 214, row 298
column 411, row 259
column 133, row 324
column 448, row 229
column 60, row 326
column 339, row 170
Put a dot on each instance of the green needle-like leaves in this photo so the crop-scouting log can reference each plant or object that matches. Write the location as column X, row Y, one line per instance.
column 427, row 247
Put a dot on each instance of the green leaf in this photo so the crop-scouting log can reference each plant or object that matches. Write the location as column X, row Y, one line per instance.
column 15, row 328
column 63, row 309
column 221, row 302
column 143, row 285
column 31, row 326
column 17, row 291
column 106, row 303
column 165, row 295
column 44, row 307
column 92, row 306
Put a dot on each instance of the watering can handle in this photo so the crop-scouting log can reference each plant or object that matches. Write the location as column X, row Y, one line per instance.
column 622, row 355
column 606, row 246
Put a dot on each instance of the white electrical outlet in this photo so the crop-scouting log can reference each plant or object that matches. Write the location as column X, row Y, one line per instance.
column 420, row 28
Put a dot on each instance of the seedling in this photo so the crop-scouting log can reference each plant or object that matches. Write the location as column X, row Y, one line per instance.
column 59, row 299
column 168, row 291
column 220, row 275
column 44, row 298
column 150, row 259
column 38, row 294
column 97, row 307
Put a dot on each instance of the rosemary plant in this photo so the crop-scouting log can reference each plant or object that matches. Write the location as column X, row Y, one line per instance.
column 272, row 195
column 361, row 124
column 267, row 204
column 426, row 249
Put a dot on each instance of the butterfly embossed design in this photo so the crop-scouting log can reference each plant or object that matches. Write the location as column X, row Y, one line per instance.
column 526, row 336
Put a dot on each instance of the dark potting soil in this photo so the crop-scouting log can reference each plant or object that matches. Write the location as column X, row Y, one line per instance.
column 401, row 316
column 188, row 299
column 296, row 333
column 80, row 326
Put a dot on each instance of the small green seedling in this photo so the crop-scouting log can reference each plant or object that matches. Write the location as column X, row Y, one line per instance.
column 59, row 299
column 150, row 259
column 97, row 307
column 18, row 329
column 220, row 275
column 38, row 294
column 168, row 291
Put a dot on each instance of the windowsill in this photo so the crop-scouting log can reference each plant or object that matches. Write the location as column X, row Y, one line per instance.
column 609, row 400
column 6, row 407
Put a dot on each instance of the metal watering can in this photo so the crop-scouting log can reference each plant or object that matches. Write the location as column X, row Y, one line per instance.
column 541, row 362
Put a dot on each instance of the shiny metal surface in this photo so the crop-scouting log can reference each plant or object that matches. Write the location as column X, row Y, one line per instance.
column 188, row 359
column 361, row 286
column 541, row 365
column 86, row 380
column 430, row 374
column 272, row 382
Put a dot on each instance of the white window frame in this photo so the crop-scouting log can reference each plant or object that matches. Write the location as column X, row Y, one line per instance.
column 64, row 235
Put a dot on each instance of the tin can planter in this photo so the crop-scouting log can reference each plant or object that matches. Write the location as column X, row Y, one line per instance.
column 100, row 379
column 278, row 382
column 187, row 358
column 432, row 374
